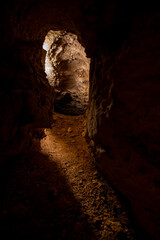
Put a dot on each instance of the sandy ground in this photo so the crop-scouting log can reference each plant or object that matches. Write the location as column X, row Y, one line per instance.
column 58, row 193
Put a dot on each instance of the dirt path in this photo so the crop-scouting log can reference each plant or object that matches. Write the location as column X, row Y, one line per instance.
column 66, row 145
column 59, row 193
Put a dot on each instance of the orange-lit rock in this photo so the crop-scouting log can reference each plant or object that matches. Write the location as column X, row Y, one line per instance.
column 122, row 40
column 67, row 69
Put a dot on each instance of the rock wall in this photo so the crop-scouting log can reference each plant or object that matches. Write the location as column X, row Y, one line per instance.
column 123, row 120
column 67, row 69
column 122, row 40
column 26, row 96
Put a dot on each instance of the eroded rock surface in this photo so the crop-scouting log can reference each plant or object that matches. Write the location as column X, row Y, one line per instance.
column 67, row 69
column 122, row 40
column 124, row 125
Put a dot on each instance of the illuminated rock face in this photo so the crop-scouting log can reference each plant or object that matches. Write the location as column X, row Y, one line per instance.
column 123, row 114
column 67, row 69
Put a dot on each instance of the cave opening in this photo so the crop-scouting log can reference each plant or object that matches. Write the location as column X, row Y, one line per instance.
column 67, row 70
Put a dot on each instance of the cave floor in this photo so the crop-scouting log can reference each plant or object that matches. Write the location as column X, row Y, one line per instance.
column 59, row 193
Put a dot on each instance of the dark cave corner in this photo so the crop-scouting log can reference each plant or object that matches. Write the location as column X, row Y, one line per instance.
column 123, row 103
column 32, row 208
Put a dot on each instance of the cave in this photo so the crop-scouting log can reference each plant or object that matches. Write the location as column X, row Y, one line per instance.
column 67, row 70
column 79, row 120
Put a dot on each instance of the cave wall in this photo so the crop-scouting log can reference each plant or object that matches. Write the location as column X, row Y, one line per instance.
column 123, row 114
column 26, row 96
column 123, row 119
column 67, row 69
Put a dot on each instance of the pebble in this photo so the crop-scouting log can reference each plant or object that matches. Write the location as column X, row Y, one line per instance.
column 69, row 130
column 83, row 134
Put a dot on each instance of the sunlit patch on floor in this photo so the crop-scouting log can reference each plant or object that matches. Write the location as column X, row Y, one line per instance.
column 65, row 144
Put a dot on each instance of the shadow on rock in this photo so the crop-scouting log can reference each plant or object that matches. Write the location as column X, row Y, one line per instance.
column 37, row 203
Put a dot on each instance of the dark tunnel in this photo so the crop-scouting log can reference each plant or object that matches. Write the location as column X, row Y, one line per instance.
column 79, row 120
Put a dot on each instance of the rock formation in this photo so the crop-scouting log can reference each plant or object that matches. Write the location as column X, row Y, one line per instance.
column 67, row 69
column 123, row 42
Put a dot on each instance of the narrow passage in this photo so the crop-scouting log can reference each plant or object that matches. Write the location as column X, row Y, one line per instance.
column 65, row 144
column 55, row 191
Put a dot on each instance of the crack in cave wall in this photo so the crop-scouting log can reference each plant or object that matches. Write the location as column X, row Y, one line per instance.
column 123, row 114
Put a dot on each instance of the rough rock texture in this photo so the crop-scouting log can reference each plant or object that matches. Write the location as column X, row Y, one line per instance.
column 124, row 126
column 106, row 214
column 67, row 69
column 122, row 40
